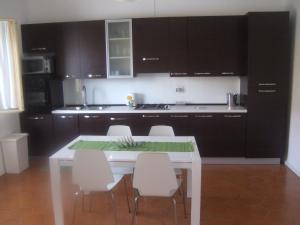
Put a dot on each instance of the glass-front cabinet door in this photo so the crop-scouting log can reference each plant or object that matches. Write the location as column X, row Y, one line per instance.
column 119, row 48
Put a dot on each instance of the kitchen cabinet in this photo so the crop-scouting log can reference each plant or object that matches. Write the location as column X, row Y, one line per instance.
column 65, row 128
column 40, row 38
column 268, row 84
column 92, row 124
column 68, row 57
column 216, row 45
column 92, row 49
column 40, row 130
column 178, row 46
column 219, row 135
column 132, row 120
column 119, row 48
column 150, row 45
column 232, row 40
column 82, row 50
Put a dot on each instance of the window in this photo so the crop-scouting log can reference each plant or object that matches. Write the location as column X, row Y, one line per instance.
column 10, row 75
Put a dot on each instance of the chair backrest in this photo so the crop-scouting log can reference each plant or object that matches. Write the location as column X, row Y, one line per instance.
column 161, row 131
column 119, row 130
column 154, row 175
column 91, row 170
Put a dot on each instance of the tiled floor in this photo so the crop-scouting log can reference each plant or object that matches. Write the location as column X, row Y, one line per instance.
column 231, row 195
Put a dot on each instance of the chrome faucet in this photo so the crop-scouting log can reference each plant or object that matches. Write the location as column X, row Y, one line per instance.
column 83, row 95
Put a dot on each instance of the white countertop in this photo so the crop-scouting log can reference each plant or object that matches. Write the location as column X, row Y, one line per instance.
column 172, row 109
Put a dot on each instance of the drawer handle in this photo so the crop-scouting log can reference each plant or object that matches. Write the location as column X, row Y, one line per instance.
column 117, row 119
column 150, row 116
column 267, row 91
column 202, row 73
column 232, row 116
column 39, row 49
column 95, row 75
column 228, row 73
column 86, row 116
column 179, row 74
column 89, row 117
column 203, row 116
column 267, row 84
column 150, row 59
column 179, row 116
column 70, row 76
column 66, row 117
column 36, row 118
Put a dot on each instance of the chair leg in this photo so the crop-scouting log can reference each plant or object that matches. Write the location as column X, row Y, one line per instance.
column 175, row 211
column 74, row 207
column 127, row 194
column 114, row 207
column 184, row 200
column 135, row 206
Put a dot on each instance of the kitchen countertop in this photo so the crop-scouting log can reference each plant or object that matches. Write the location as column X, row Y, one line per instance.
column 172, row 109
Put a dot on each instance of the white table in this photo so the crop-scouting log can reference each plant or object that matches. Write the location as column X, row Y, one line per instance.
column 188, row 160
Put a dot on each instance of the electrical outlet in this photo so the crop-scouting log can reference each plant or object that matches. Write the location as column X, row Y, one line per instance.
column 180, row 89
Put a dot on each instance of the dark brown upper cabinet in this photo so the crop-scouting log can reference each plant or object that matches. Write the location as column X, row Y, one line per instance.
column 150, row 45
column 268, row 84
column 68, row 56
column 178, row 46
column 217, row 45
column 92, row 49
column 82, row 50
column 39, row 38
column 232, row 43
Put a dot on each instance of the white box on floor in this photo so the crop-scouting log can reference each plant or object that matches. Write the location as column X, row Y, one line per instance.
column 15, row 152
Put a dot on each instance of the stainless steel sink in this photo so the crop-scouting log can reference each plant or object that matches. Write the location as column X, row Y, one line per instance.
column 80, row 108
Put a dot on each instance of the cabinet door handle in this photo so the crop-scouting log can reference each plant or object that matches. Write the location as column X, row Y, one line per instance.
column 179, row 74
column 36, row 118
column 89, row 117
column 232, row 116
column 228, row 73
column 150, row 116
column 39, row 49
column 179, row 116
column 117, row 119
column 202, row 73
column 150, row 59
column 66, row 117
column 204, row 116
column 95, row 75
column 267, row 84
column 267, row 91
column 70, row 76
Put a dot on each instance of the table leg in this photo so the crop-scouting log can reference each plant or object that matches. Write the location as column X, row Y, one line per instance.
column 196, row 192
column 189, row 183
column 57, row 203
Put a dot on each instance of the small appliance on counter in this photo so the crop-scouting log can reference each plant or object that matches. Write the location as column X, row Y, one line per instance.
column 235, row 100
column 131, row 100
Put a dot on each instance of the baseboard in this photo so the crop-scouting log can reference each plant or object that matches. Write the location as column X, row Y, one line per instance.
column 241, row 161
column 292, row 168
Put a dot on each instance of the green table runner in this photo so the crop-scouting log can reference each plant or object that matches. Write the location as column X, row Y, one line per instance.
column 144, row 146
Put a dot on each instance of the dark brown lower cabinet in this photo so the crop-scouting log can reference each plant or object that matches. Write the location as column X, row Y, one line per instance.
column 219, row 135
column 40, row 130
column 92, row 124
column 65, row 127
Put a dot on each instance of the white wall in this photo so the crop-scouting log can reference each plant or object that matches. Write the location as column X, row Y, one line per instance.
column 293, row 158
column 69, row 10
column 158, row 88
column 12, row 9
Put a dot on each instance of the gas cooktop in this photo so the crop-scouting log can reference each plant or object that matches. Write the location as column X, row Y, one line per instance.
column 153, row 107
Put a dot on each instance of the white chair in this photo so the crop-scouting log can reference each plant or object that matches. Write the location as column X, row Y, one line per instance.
column 92, row 173
column 162, row 130
column 154, row 175
column 119, row 130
